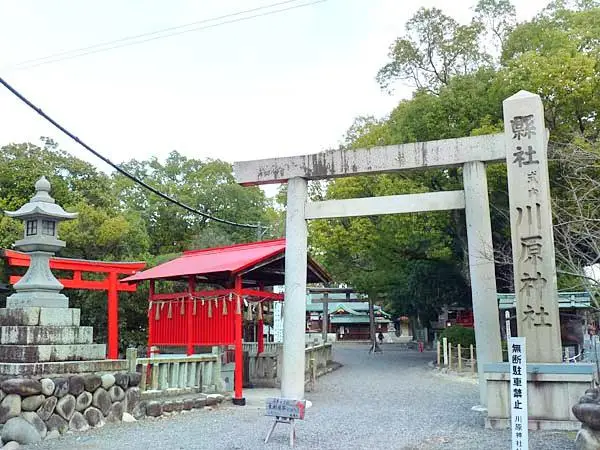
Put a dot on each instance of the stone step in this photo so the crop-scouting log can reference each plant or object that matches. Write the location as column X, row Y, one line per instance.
column 49, row 369
column 47, row 353
column 30, row 316
column 45, row 335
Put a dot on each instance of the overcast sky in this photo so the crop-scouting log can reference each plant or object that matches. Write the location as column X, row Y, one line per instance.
column 283, row 84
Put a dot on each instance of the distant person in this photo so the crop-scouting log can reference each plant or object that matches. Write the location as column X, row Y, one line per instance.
column 380, row 337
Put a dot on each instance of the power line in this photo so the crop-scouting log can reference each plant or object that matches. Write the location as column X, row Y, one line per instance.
column 160, row 34
column 118, row 168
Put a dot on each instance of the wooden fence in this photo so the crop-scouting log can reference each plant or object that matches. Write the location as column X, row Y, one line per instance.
column 456, row 357
column 177, row 373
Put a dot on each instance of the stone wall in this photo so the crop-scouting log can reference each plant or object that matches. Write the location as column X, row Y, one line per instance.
column 32, row 409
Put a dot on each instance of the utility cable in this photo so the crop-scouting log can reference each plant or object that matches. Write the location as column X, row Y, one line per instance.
column 118, row 168
column 151, row 36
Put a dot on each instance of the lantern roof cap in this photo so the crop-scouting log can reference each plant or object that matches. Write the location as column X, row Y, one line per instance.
column 42, row 204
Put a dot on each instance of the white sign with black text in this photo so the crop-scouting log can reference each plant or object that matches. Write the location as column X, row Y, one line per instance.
column 517, row 358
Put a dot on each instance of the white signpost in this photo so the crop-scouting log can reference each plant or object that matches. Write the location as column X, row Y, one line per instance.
column 518, row 393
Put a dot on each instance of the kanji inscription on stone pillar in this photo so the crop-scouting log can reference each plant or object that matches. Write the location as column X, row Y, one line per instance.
column 531, row 227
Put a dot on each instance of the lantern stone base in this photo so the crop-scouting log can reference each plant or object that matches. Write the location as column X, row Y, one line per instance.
column 552, row 390
column 39, row 299
column 43, row 341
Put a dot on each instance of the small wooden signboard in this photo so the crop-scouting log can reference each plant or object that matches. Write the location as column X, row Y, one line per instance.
column 285, row 410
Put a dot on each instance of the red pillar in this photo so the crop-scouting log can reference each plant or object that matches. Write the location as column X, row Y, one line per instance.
column 113, row 316
column 188, row 312
column 150, row 319
column 239, row 356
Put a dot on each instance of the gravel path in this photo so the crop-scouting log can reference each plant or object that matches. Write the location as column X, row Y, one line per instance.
column 386, row 401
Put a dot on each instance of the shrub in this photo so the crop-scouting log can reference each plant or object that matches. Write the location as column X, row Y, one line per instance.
column 457, row 334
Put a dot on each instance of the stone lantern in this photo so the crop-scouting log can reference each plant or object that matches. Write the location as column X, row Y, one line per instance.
column 41, row 216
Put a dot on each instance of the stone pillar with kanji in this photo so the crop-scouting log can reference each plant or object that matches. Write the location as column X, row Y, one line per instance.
column 531, row 227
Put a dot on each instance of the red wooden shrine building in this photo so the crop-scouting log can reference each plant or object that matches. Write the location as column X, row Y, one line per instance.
column 235, row 278
column 110, row 283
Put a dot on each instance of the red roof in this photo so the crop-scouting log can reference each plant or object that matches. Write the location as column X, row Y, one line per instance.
column 227, row 261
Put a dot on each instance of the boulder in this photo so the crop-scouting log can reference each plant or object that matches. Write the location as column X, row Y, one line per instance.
column 61, row 387
column 18, row 429
column 211, row 401
column 132, row 398
column 37, row 422
column 218, row 397
column 178, row 405
column 134, row 379
column 168, row 406
column 587, row 439
column 139, row 411
column 188, row 404
column 116, row 393
column 10, row 407
column 47, row 386
column 200, row 402
column 76, row 385
column 83, row 401
column 47, row 407
column 78, row 422
column 32, row 403
column 55, row 422
column 115, row 413
column 94, row 417
column 153, row 409
column 92, row 382
column 21, row 386
column 66, row 407
column 12, row 445
column 101, row 400
column 52, row 435
column 122, row 380
column 128, row 417
column 108, row 380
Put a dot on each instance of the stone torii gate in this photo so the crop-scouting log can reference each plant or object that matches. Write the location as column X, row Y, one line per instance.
column 522, row 146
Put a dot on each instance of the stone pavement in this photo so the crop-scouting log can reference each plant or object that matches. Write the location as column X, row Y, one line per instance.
column 385, row 401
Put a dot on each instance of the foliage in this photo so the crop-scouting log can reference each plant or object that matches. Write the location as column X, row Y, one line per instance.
column 457, row 334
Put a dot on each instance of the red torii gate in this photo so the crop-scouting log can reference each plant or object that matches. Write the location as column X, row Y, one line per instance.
column 110, row 283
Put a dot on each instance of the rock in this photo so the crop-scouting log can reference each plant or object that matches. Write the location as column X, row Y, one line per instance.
column 218, row 397
column 83, row 401
column 91, row 382
column 101, row 400
column 116, row 393
column 94, row 417
column 32, row 403
column 132, row 397
column 66, row 407
column 55, row 422
column 10, row 407
column 12, row 445
column 78, row 422
column 61, row 387
column 47, row 408
column 153, row 409
column 47, row 386
column 122, row 380
column 587, row 439
column 108, row 380
column 168, row 406
column 52, row 435
column 188, row 404
column 115, row 413
column 21, row 386
column 178, row 405
column 18, row 429
column 134, row 379
column 38, row 423
column 76, row 385
column 211, row 401
column 140, row 410
column 128, row 417
column 200, row 402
